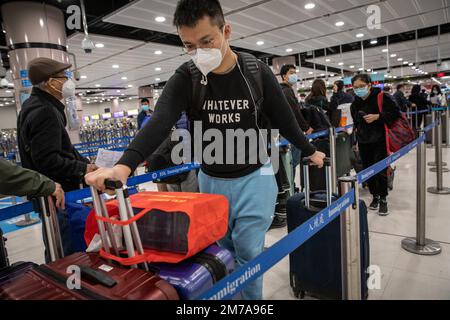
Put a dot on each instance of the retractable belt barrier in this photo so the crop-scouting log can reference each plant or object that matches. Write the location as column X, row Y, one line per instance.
column 243, row 276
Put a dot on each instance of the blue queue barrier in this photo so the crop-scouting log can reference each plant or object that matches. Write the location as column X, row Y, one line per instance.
column 243, row 276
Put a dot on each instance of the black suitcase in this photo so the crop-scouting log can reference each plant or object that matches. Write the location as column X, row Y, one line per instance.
column 315, row 267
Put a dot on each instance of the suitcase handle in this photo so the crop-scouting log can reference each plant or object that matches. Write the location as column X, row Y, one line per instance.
column 306, row 162
column 113, row 184
column 97, row 277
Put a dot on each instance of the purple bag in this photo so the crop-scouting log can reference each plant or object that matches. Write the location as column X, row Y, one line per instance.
column 196, row 275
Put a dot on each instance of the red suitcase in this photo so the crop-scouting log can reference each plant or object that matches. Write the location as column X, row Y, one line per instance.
column 99, row 281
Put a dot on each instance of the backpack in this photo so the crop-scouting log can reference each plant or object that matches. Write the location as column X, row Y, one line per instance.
column 253, row 74
column 399, row 134
column 316, row 117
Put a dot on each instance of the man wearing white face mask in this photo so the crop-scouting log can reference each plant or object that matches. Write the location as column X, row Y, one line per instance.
column 44, row 143
column 222, row 91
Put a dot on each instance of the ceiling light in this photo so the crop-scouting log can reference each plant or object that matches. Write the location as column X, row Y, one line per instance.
column 160, row 19
column 322, row 74
column 361, row 69
column 327, row 60
column 158, row 52
column 83, row 77
column 289, row 50
column 260, row 43
column 98, row 85
column 130, row 86
column 103, row 94
column 385, row 50
column 122, row 94
column 340, row 23
column 411, row 64
column 8, row 91
column 352, row 67
column 157, row 79
column 332, row 75
column 124, row 78
column 341, row 63
column 360, row 35
column 157, row 69
column 400, row 59
column 413, row 67
column 310, row 6
column 310, row 72
column 405, row 62
column 115, row 66
column 369, row 70
column 374, row 42
column 393, row 55
column 118, row 91
column 99, row 45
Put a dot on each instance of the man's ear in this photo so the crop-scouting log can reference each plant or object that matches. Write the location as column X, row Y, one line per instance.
column 227, row 31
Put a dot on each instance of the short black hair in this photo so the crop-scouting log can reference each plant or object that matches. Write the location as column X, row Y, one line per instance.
column 143, row 100
column 364, row 77
column 340, row 85
column 400, row 86
column 285, row 69
column 189, row 12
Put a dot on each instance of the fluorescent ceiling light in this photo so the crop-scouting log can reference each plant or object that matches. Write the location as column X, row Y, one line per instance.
column 360, row 35
column 340, row 23
column 260, row 43
column 99, row 45
column 158, row 52
column 310, row 6
column 115, row 66
column 160, row 19
column 289, row 50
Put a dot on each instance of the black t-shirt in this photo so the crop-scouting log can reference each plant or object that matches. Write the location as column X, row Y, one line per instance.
column 228, row 105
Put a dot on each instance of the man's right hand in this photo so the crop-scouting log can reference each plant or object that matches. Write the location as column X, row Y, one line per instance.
column 98, row 177
column 59, row 195
column 317, row 159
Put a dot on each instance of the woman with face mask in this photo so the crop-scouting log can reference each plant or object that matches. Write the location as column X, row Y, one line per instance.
column 370, row 133
column 437, row 97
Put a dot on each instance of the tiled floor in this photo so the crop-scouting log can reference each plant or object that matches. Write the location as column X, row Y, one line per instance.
column 403, row 275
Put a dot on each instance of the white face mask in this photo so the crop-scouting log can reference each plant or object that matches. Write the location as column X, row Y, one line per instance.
column 207, row 60
column 68, row 88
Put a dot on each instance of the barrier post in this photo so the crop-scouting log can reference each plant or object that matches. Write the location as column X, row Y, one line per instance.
column 437, row 130
column 447, row 128
column 350, row 243
column 433, row 133
column 28, row 221
column 439, row 189
column 332, row 138
column 420, row 245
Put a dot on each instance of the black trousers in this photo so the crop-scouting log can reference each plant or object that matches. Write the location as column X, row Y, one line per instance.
column 372, row 153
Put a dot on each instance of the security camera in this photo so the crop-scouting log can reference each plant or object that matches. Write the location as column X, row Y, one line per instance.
column 76, row 75
column 87, row 45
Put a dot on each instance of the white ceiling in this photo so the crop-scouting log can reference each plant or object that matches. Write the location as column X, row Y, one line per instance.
column 283, row 24
column 375, row 58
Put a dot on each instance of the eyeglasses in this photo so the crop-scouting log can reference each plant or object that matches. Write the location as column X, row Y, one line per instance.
column 206, row 44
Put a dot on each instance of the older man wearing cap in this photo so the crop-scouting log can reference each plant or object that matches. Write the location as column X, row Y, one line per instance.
column 44, row 143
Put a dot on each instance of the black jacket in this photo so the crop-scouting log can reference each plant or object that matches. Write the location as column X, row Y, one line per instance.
column 420, row 101
column 336, row 100
column 373, row 132
column 402, row 102
column 44, row 143
column 295, row 106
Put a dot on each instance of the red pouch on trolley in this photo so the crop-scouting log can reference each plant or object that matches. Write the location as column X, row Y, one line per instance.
column 173, row 225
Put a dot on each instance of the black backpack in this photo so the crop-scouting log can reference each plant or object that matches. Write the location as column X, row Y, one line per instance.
column 253, row 74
